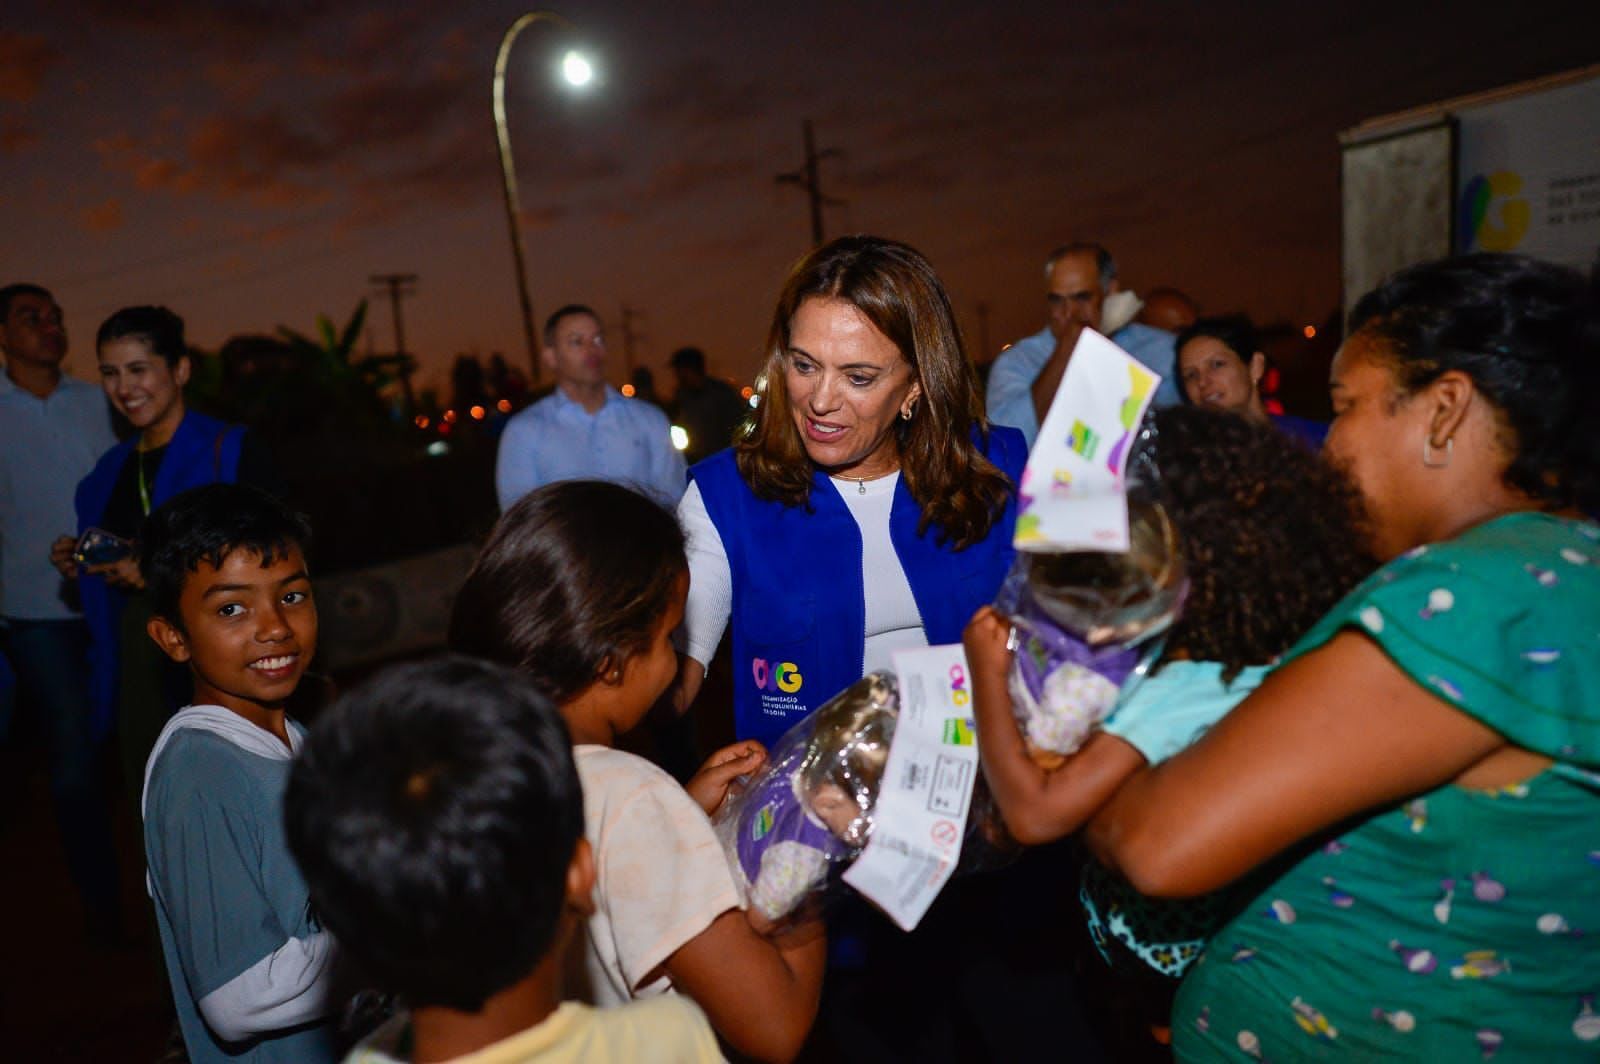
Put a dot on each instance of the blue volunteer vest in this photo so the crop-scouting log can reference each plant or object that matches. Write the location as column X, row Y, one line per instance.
column 202, row 451
column 799, row 608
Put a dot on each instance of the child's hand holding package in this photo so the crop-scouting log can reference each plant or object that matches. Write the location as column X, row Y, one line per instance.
column 811, row 805
column 1085, row 620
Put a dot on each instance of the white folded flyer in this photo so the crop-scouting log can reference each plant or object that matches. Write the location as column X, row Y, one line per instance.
column 1073, row 495
column 921, row 813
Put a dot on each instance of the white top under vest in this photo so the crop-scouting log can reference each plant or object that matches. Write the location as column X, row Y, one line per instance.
column 893, row 622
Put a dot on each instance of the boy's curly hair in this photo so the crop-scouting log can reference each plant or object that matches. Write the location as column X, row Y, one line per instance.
column 1272, row 535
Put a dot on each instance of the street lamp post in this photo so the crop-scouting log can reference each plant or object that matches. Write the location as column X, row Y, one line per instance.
column 577, row 72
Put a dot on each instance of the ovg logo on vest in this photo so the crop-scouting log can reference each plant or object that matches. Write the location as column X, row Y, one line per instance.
column 785, row 676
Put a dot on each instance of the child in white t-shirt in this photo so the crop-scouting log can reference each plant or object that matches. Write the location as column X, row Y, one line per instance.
column 580, row 586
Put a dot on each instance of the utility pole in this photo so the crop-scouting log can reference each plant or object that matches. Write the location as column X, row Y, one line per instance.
column 629, row 336
column 399, row 286
column 808, row 179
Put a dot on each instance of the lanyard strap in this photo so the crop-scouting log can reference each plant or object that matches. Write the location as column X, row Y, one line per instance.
column 144, row 489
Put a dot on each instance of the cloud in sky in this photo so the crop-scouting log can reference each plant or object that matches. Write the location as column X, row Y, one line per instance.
column 16, row 136
column 1199, row 143
column 25, row 59
column 102, row 217
column 238, row 27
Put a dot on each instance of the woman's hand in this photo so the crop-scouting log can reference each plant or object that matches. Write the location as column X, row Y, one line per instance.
column 61, row 551
column 709, row 786
column 122, row 573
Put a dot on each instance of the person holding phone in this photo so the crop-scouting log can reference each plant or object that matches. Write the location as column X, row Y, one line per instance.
column 144, row 365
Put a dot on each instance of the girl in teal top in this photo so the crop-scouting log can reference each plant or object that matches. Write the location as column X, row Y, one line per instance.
column 1416, row 790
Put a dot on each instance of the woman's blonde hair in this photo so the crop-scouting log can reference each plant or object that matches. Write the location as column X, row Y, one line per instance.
column 960, row 492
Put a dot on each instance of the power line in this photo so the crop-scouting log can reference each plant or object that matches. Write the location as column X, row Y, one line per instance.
column 213, row 247
column 214, row 284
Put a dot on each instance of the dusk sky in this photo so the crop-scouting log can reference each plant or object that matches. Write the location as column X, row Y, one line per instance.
column 250, row 164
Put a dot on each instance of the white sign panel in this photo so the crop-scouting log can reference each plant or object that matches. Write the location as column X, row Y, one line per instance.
column 1529, row 175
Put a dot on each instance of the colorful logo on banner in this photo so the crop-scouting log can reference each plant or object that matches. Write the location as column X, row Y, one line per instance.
column 1493, row 214
column 785, row 676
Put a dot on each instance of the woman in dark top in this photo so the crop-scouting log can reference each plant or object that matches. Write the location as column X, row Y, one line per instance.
column 1221, row 366
column 144, row 365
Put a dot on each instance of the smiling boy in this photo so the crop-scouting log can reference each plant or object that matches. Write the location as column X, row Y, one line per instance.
column 249, row 967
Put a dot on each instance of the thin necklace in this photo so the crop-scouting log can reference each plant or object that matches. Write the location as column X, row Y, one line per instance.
column 861, row 482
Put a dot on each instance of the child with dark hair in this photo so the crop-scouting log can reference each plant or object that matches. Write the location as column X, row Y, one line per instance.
column 580, row 587
column 249, row 966
column 438, row 818
column 1271, row 541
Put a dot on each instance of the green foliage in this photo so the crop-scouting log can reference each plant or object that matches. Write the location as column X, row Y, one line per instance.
column 309, row 396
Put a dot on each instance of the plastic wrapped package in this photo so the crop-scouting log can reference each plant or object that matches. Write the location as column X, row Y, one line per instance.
column 809, row 810
column 1086, row 621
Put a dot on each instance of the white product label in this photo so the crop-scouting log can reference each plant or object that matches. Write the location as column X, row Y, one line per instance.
column 921, row 814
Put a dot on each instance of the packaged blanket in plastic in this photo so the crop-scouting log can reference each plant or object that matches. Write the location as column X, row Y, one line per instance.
column 809, row 810
column 1099, row 573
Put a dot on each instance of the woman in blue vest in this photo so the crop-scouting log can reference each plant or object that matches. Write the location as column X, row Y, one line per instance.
column 870, row 506
column 144, row 365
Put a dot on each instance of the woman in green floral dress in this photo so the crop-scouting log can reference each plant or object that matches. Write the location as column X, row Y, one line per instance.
column 1413, row 798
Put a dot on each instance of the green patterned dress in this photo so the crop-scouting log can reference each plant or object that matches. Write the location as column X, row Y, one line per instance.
column 1460, row 925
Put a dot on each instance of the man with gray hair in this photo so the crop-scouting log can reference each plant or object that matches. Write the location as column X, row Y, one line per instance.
column 1081, row 290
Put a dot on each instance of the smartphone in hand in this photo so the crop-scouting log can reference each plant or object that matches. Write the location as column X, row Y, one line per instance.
column 98, row 547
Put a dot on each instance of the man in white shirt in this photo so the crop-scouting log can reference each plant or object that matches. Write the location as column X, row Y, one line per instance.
column 52, row 430
column 585, row 429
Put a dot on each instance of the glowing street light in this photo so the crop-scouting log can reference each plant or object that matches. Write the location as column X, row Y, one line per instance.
column 577, row 71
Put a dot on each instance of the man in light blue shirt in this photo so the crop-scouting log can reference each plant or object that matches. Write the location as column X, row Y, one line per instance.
column 585, row 429
column 1023, row 380
column 52, row 430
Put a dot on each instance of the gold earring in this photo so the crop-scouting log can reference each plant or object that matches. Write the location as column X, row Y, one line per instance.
column 905, row 415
